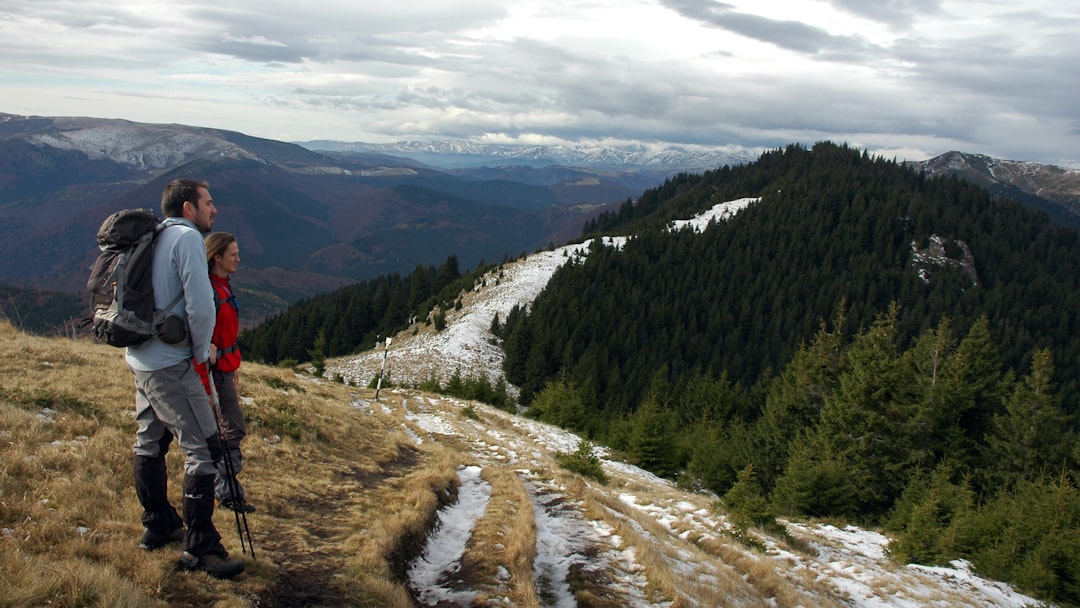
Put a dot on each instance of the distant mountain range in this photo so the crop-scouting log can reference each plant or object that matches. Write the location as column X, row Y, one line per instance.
column 316, row 216
column 307, row 221
column 461, row 153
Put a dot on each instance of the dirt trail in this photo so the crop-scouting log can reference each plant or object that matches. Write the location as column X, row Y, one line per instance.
column 309, row 564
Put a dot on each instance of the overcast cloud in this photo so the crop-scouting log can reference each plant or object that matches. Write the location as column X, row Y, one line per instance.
column 904, row 78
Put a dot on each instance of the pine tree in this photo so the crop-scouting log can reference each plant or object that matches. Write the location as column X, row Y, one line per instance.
column 865, row 422
column 746, row 503
column 932, row 423
column 972, row 385
column 796, row 398
column 561, row 404
column 318, row 354
column 1030, row 437
column 651, row 446
column 815, row 483
column 925, row 516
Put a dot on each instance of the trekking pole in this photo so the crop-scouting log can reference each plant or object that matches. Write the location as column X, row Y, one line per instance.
column 229, row 473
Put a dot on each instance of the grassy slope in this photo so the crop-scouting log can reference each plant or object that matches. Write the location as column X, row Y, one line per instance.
column 337, row 492
column 347, row 489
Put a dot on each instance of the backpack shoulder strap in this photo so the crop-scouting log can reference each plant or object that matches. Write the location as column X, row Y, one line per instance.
column 175, row 301
column 165, row 223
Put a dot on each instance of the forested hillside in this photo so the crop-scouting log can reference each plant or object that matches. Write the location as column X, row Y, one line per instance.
column 861, row 343
column 834, row 228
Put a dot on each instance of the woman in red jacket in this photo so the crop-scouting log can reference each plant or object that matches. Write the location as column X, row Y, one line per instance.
column 223, row 259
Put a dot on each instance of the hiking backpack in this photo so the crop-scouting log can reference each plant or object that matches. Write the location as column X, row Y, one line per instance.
column 121, row 289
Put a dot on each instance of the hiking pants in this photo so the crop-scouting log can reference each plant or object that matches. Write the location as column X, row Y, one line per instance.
column 232, row 419
column 172, row 402
column 234, row 429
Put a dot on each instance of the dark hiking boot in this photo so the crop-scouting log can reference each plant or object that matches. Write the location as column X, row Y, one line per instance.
column 240, row 506
column 214, row 565
column 155, row 540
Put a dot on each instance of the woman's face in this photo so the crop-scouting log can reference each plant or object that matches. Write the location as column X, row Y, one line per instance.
column 228, row 262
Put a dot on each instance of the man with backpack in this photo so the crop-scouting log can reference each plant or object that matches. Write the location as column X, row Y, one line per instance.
column 169, row 397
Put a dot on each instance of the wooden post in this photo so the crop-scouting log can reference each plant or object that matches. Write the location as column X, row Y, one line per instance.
column 378, row 385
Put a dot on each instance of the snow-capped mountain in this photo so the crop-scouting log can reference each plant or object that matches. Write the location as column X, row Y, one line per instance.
column 142, row 146
column 1054, row 189
column 462, row 153
column 295, row 209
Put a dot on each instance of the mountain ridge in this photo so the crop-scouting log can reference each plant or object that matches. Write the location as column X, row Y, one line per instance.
column 1053, row 189
column 316, row 220
column 465, row 153
column 323, row 220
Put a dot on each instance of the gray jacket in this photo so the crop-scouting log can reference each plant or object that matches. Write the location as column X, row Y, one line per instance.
column 179, row 265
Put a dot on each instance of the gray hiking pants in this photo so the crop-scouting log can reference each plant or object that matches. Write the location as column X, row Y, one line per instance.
column 234, row 429
column 169, row 403
column 174, row 400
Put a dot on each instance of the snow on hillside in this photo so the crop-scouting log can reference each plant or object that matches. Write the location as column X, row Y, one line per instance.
column 850, row 563
column 466, row 345
column 719, row 213
column 140, row 145
column 837, row 566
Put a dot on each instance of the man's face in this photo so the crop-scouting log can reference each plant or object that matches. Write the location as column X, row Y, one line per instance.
column 202, row 214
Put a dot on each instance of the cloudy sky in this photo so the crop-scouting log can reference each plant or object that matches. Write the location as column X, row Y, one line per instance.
column 904, row 78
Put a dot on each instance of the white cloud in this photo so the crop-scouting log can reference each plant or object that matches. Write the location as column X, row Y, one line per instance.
column 903, row 75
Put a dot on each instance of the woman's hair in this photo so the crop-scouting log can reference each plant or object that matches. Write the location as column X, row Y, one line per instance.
column 178, row 192
column 216, row 244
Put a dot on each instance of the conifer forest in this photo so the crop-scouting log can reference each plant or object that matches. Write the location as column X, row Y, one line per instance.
column 806, row 357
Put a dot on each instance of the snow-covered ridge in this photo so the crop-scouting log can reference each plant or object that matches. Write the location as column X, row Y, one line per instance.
column 139, row 145
column 466, row 345
column 587, row 155
column 158, row 146
column 719, row 213
column 1051, row 182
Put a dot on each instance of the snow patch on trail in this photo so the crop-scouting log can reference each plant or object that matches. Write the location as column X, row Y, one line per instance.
column 431, row 576
column 566, row 541
column 560, row 531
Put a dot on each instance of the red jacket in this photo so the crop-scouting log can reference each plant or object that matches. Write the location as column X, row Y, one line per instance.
column 226, row 329
column 227, row 326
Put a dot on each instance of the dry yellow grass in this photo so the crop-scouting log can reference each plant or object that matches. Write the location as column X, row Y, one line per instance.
column 339, row 493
